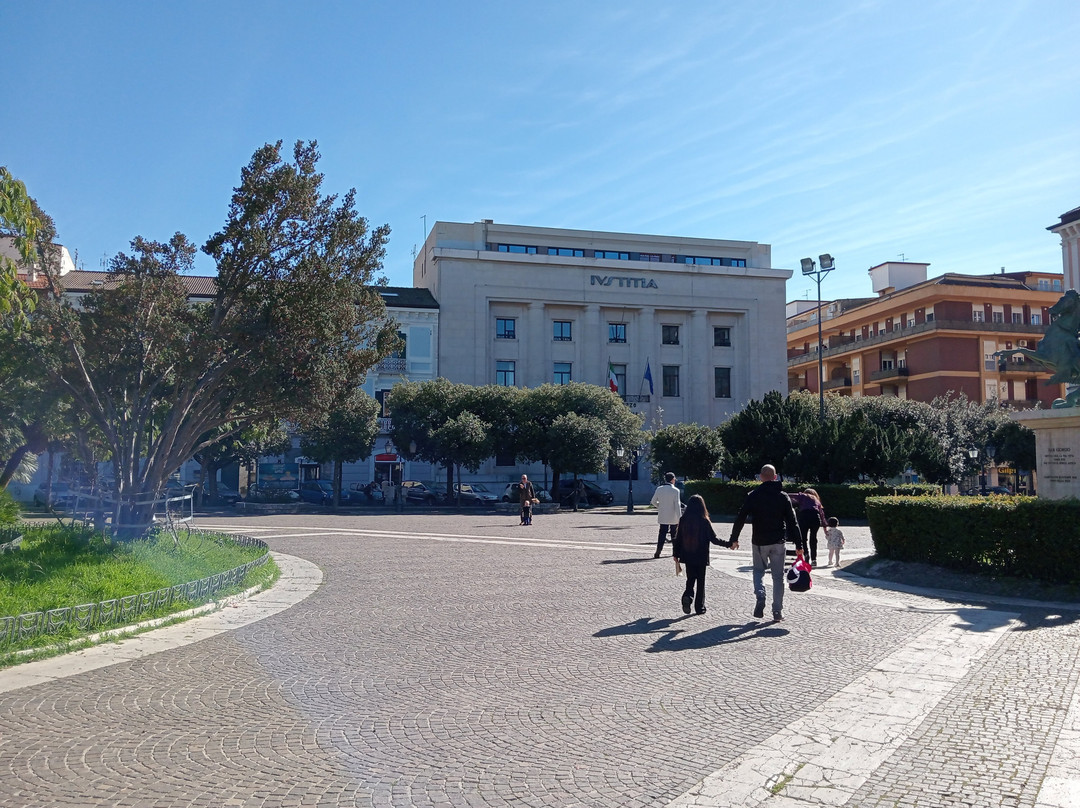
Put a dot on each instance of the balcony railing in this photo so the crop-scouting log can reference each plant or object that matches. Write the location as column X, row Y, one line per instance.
column 1025, row 366
column 921, row 328
column 385, row 425
column 392, row 364
column 835, row 384
column 887, row 373
column 635, row 399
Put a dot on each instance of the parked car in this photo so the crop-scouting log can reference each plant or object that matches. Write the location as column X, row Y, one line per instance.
column 321, row 492
column 61, row 495
column 990, row 489
column 594, row 494
column 416, row 491
column 511, row 493
column 225, row 494
column 475, row 493
column 366, row 492
column 271, row 495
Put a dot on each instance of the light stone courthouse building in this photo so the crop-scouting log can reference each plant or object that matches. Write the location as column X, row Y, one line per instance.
column 692, row 326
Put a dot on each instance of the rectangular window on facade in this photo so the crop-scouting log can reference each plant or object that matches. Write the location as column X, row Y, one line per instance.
column 616, row 332
column 562, row 373
column 722, row 382
column 1036, row 319
column 505, row 328
column 650, row 257
column 562, row 330
column 504, row 374
column 566, row 251
column 669, row 334
column 1018, row 317
column 929, row 316
column 517, row 248
column 671, row 381
column 610, row 254
column 999, row 316
column 721, row 337
column 976, row 315
column 620, row 378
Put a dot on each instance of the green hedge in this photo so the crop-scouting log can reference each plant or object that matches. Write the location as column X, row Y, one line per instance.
column 1020, row 536
column 842, row 501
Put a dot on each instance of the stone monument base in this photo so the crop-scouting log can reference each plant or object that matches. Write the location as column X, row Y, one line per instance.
column 1057, row 450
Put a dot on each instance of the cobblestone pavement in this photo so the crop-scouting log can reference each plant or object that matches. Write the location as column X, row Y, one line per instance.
column 462, row 660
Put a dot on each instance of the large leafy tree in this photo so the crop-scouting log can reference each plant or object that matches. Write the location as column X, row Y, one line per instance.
column 293, row 321
column 541, row 439
column 22, row 223
column 691, row 451
column 767, row 431
column 344, row 433
column 437, row 421
column 33, row 409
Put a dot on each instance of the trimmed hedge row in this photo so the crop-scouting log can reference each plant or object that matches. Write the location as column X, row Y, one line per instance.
column 1019, row 536
column 842, row 501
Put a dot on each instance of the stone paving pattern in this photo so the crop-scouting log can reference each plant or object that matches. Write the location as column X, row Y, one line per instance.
column 462, row 660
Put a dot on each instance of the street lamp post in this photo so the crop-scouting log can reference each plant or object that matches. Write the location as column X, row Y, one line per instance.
column 620, row 452
column 819, row 271
column 991, row 450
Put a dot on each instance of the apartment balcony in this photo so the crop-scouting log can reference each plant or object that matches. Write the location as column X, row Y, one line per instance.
column 635, row 399
column 385, row 425
column 1024, row 367
column 837, row 384
column 899, row 334
column 887, row 373
column 392, row 364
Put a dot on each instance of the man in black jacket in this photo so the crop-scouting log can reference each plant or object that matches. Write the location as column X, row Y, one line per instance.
column 772, row 521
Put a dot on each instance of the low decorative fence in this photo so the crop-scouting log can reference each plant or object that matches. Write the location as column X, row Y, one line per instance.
column 115, row 611
column 10, row 539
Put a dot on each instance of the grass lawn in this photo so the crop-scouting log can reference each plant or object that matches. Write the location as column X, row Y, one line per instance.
column 58, row 567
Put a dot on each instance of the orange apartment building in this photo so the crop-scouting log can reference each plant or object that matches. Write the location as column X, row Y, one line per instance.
column 921, row 338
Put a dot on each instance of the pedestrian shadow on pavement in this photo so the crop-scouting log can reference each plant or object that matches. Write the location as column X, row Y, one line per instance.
column 678, row 639
column 643, row 625
column 627, row 560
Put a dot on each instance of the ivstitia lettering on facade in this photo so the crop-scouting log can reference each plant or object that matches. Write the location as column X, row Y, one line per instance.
column 623, row 282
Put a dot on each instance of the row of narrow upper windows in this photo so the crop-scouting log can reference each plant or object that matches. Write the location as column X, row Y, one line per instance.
column 506, row 376
column 617, row 255
column 563, row 331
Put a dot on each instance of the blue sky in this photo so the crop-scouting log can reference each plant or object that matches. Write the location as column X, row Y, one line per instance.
column 945, row 132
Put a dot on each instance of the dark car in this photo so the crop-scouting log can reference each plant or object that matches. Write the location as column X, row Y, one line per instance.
column 223, row 494
column 512, row 493
column 594, row 494
column 475, row 494
column 990, row 489
column 321, row 492
column 416, row 491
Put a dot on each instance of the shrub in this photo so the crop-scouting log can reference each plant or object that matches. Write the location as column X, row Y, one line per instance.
column 1020, row 536
column 9, row 508
column 841, row 501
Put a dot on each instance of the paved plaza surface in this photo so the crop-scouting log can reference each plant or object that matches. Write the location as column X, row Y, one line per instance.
column 463, row 660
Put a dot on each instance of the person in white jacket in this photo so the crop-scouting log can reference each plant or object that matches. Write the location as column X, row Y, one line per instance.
column 668, row 506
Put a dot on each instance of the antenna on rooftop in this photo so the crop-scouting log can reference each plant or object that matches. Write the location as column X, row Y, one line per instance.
column 902, row 257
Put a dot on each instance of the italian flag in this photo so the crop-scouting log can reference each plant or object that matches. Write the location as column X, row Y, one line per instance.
column 611, row 380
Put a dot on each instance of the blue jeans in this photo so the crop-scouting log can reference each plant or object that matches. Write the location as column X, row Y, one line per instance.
column 769, row 556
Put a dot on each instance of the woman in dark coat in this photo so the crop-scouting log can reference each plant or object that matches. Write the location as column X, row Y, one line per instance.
column 691, row 548
column 811, row 516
